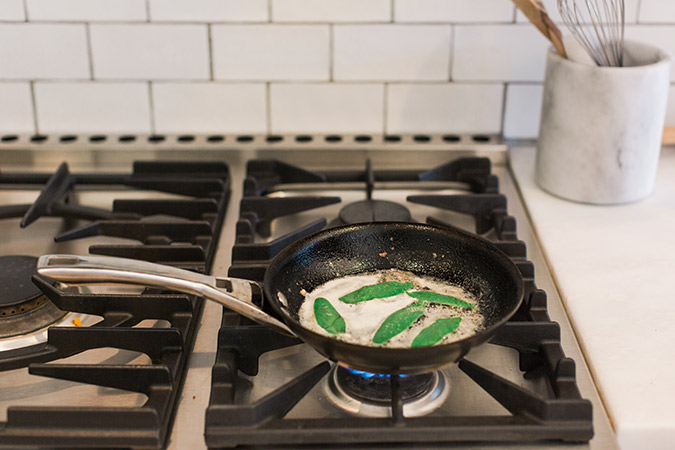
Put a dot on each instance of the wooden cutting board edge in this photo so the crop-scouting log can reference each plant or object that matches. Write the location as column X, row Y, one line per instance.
column 668, row 136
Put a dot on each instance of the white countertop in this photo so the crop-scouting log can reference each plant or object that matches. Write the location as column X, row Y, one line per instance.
column 615, row 269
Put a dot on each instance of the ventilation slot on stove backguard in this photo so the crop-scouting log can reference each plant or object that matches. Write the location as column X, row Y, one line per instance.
column 270, row 140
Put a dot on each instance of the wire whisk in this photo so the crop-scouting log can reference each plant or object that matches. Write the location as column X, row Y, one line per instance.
column 598, row 25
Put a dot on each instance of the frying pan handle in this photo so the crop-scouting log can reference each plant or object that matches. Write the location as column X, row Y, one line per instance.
column 233, row 293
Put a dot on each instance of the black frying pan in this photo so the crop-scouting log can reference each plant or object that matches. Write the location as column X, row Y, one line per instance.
column 469, row 261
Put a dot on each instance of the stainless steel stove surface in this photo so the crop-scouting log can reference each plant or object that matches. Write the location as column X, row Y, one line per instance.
column 295, row 398
column 76, row 359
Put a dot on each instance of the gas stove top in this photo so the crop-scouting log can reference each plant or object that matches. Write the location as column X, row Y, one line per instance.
column 245, row 385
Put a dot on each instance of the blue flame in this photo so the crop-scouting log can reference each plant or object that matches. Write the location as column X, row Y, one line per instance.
column 365, row 374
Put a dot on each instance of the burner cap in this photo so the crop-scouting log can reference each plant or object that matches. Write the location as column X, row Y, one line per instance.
column 23, row 306
column 369, row 394
column 376, row 388
column 16, row 288
column 374, row 211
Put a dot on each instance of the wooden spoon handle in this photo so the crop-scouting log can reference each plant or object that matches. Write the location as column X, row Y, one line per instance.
column 536, row 13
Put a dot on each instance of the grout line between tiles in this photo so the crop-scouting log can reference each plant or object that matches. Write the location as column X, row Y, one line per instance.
column 245, row 22
column 268, row 107
column 331, row 52
column 385, row 106
column 151, row 109
column 90, row 52
column 209, row 37
column 451, row 50
column 34, row 104
column 503, row 121
column 317, row 81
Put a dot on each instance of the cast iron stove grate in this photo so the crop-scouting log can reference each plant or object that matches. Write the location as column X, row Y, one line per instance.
column 555, row 412
column 183, row 232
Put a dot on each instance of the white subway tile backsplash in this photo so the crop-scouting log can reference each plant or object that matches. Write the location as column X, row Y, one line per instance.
column 391, row 52
column 86, row 10
column 270, row 52
column 12, row 10
column 454, row 11
column 209, row 107
column 661, row 36
column 256, row 66
column 92, row 107
column 16, row 108
column 657, row 11
column 631, row 11
column 331, row 10
column 432, row 108
column 326, row 108
column 523, row 110
column 209, row 10
column 499, row 53
column 39, row 51
column 150, row 52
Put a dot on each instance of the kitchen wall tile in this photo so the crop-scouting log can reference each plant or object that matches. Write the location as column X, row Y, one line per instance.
column 270, row 52
column 331, row 10
column 92, row 107
column 12, row 10
column 455, row 11
column 391, row 52
column 87, row 10
column 631, row 8
column 155, row 52
column 661, row 36
column 455, row 47
column 431, row 108
column 209, row 107
column 209, row 10
column 16, row 108
column 499, row 53
column 37, row 51
column 657, row 11
column 522, row 111
column 326, row 108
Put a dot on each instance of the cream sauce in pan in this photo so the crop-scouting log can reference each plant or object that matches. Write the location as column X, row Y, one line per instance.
column 363, row 319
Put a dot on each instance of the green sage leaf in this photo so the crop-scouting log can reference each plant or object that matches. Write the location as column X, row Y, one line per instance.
column 327, row 317
column 433, row 297
column 399, row 321
column 380, row 290
column 436, row 331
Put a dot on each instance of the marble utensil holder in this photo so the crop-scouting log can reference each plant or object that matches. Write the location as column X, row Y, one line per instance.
column 601, row 127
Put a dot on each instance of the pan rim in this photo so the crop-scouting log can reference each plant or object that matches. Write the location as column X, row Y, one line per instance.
column 453, row 232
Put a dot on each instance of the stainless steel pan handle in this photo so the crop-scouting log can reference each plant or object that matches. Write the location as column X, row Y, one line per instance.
column 233, row 293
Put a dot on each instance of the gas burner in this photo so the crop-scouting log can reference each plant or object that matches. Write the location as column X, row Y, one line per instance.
column 23, row 307
column 129, row 339
column 374, row 211
column 369, row 394
column 370, row 210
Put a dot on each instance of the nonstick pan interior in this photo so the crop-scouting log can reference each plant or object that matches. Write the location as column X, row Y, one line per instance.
column 447, row 254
